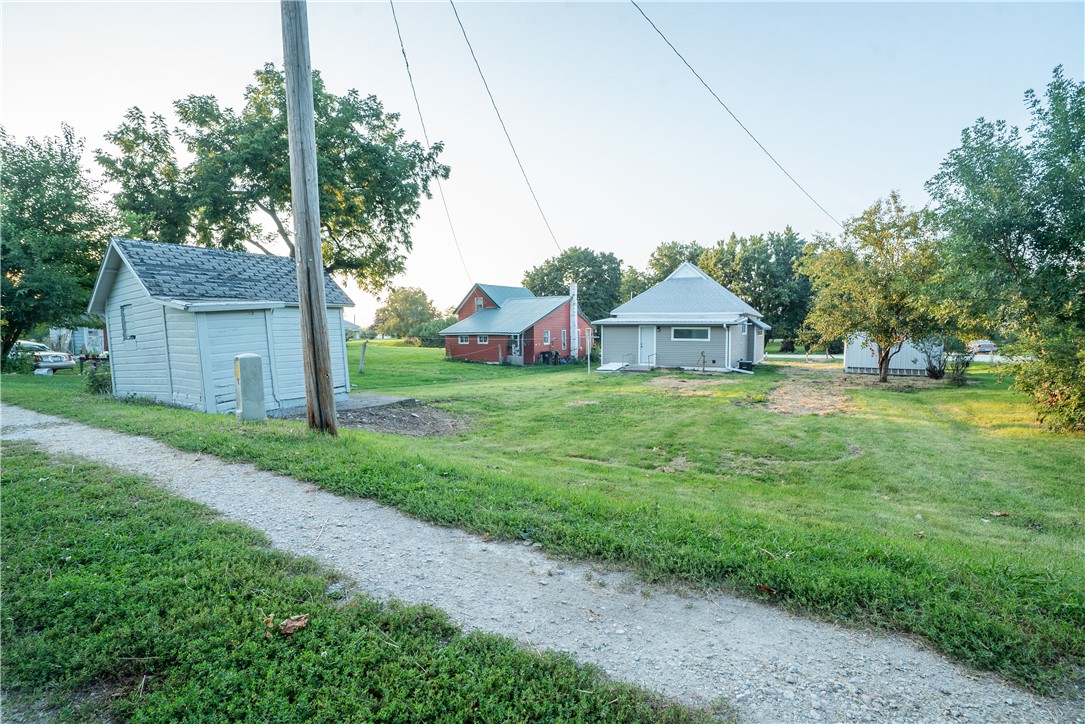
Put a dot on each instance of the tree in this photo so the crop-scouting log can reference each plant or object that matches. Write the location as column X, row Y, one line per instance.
column 53, row 233
column 668, row 256
column 761, row 270
column 371, row 179
column 634, row 282
column 1014, row 210
column 598, row 277
column 874, row 280
column 404, row 309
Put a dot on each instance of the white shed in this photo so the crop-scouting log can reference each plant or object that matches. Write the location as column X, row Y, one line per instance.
column 176, row 316
column 860, row 357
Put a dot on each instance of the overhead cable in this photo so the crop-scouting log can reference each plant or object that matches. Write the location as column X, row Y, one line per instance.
column 425, row 135
column 503, row 127
column 732, row 114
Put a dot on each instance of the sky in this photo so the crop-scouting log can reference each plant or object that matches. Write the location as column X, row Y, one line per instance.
column 624, row 147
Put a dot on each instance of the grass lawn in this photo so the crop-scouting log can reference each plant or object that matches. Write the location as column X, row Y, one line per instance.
column 121, row 601
column 879, row 515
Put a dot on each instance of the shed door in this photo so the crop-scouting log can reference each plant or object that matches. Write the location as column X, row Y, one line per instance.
column 647, row 345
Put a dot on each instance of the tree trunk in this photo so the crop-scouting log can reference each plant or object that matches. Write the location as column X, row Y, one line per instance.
column 883, row 363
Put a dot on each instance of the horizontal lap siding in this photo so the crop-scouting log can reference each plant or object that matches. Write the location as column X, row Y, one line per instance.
column 468, row 307
column 230, row 334
column 289, row 367
column 687, row 353
column 555, row 321
column 619, row 344
column 184, row 358
column 494, row 350
column 139, row 365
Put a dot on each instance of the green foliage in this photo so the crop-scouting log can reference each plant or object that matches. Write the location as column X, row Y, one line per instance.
column 153, row 201
column 874, row 280
column 598, row 277
column 97, row 378
column 18, row 361
column 761, row 270
column 111, row 583
column 428, row 333
column 1015, row 216
column 404, row 309
column 668, row 256
column 832, row 497
column 52, row 234
column 372, row 180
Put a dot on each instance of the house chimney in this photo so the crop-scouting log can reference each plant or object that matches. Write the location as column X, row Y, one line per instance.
column 574, row 323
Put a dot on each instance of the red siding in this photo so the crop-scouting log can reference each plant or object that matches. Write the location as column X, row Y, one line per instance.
column 468, row 307
column 495, row 350
column 556, row 321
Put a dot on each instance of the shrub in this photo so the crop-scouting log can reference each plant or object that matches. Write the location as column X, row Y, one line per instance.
column 1054, row 375
column 958, row 367
column 19, row 361
column 97, row 379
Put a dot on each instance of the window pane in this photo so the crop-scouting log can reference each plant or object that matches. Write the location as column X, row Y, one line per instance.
column 690, row 333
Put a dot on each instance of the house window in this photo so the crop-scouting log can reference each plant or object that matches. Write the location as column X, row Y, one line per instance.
column 125, row 310
column 745, row 326
column 546, row 336
column 688, row 334
column 564, row 338
column 479, row 303
column 464, row 339
column 483, row 339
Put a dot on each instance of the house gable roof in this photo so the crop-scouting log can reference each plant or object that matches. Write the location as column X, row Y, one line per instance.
column 512, row 318
column 187, row 275
column 497, row 293
column 688, row 290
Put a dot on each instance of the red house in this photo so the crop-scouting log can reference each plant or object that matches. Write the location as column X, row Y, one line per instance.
column 510, row 324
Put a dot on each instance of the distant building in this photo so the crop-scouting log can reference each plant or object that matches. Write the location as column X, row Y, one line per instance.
column 510, row 324
column 861, row 358
column 176, row 316
column 687, row 321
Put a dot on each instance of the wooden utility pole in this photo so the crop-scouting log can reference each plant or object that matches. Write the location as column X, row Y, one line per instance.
column 305, row 198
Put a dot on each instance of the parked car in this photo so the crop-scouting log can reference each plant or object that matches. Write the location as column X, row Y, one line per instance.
column 45, row 358
column 982, row 346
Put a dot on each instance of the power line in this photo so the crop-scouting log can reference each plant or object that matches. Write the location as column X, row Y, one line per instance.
column 425, row 135
column 732, row 114
column 503, row 128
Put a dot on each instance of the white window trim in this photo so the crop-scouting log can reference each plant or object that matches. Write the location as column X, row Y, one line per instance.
column 464, row 339
column 708, row 330
column 483, row 339
column 745, row 327
column 546, row 336
column 480, row 304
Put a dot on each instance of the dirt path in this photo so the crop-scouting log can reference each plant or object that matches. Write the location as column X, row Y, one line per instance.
column 773, row 666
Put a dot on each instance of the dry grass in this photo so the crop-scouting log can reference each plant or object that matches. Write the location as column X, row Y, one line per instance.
column 819, row 388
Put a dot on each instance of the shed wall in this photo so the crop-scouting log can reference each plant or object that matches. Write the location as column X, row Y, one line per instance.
column 184, row 358
column 909, row 361
column 139, row 366
column 618, row 344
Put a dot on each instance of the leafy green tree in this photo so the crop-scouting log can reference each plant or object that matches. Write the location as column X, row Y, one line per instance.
column 53, row 233
column 874, row 280
column 404, row 309
column 634, row 282
column 153, row 202
column 1014, row 210
column 761, row 270
column 428, row 333
column 371, row 179
column 598, row 277
column 668, row 256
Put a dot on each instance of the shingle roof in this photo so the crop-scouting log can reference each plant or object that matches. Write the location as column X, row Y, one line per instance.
column 688, row 290
column 514, row 317
column 176, row 272
column 499, row 295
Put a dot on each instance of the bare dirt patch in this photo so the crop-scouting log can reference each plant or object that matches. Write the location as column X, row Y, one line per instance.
column 819, row 389
column 677, row 464
column 412, row 419
column 581, row 403
column 697, row 386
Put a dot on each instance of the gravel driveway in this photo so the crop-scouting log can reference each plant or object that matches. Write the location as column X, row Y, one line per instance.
column 773, row 666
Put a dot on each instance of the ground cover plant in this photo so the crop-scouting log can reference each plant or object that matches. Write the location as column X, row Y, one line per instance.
column 940, row 511
column 121, row 601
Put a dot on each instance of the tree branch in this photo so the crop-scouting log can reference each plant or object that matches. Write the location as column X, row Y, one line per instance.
column 278, row 225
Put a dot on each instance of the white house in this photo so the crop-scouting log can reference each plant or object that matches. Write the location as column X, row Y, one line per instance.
column 686, row 321
column 176, row 316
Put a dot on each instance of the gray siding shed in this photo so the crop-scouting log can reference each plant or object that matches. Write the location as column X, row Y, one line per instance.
column 176, row 316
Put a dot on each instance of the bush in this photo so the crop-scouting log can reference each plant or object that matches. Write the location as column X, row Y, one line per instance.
column 1054, row 376
column 787, row 346
column 97, row 378
column 958, row 367
column 19, row 361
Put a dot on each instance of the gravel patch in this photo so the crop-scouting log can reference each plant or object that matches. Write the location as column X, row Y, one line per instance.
column 773, row 666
